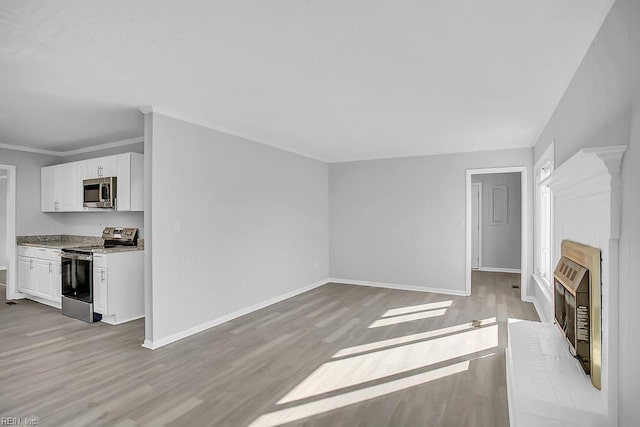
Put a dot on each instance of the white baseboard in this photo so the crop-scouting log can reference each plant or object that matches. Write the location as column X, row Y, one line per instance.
column 399, row 287
column 541, row 288
column 223, row 319
column 536, row 305
column 499, row 270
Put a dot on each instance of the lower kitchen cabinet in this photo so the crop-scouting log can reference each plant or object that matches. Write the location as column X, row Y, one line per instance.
column 100, row 291
column 118, row 286
column 39, row 274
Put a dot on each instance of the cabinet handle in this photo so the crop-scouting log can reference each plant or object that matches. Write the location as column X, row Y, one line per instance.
column 50, row 268
column 102, row 275
column 31, row 264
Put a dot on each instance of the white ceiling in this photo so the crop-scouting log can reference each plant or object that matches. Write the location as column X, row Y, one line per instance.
column 335, row 80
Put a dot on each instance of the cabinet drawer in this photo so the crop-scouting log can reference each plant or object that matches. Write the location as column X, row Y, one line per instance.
column 40, row 253
column 100, row 260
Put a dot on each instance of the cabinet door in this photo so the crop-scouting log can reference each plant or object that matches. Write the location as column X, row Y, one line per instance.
column 56, row 281
column 93, row 168
column 102, row 166
column 41, row 276
column 109, row 166
column 100, row 289
column 25, row 277
column 48, row 189
column 68, row 184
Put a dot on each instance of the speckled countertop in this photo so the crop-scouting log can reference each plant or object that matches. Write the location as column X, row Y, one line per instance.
column 64, row 241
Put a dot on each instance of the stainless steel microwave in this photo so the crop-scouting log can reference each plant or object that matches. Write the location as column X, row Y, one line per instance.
column 100, row 192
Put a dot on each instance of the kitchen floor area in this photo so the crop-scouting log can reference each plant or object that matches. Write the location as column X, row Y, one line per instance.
column 336, row 355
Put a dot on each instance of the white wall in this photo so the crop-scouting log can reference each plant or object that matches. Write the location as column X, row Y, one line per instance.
column 3, row 219
column 29, row 218
column 235, row 223
column 602, row 107
column 402, row 221
column 501, row 244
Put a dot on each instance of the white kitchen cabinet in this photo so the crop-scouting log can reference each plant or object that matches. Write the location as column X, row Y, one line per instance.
column 48, row 189
column 48, row 279
column 25, row 276
column 68, row 187
column 118, row 286
column 100, row 290
column 62, row 185
column 102, row 167
column 130, row 182
column 40, row 274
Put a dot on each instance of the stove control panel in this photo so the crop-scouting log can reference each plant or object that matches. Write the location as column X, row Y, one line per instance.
column 120, row 233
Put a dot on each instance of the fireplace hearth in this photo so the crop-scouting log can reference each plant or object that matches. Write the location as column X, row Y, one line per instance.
column 577, row 305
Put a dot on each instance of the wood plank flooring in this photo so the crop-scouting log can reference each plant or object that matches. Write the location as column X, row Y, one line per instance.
column 338, row 355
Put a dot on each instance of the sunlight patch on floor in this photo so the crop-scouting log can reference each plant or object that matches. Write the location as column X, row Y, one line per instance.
column 351, row 371
column 409, row 338
column 415, row 308
column 305, row 410
column 407, row 318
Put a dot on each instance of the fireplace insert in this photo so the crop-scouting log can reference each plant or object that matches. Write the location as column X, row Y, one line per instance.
column 571, row 302
column 577, row 305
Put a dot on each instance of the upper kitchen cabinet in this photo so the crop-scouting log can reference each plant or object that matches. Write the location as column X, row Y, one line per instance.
column 102, row 167
column 62, row 187
column 130, row 173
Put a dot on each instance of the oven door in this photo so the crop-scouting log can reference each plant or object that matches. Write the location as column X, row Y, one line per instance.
column 77, row 276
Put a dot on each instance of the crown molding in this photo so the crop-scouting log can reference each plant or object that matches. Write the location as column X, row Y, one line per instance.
column 91, row 149
column 30, row 150
column 219, row 128
column 104, row 146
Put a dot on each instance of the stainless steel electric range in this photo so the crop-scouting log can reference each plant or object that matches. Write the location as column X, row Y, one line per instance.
column 77, row 273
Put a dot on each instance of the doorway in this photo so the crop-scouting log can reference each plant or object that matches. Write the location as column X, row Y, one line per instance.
column 497, row 224
column 8, row 230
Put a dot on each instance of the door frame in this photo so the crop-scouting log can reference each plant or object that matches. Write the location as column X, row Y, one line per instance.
column 479, row 184
column 12, row 272
column 524, row 230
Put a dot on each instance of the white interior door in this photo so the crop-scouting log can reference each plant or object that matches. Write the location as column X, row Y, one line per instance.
column 476, row 221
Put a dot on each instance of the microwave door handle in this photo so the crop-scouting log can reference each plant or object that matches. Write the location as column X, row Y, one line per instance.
column 100, row 192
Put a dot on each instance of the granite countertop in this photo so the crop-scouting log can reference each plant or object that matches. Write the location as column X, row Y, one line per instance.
column 118, row 249
column 62, row 241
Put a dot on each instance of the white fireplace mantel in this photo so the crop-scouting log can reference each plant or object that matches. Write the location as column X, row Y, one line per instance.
column 589, row 171
column 587, row 201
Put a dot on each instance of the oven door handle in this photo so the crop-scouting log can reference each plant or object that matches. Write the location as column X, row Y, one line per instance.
column 81, row 257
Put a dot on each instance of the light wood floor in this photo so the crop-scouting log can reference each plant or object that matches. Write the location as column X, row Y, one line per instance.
column 338, row 355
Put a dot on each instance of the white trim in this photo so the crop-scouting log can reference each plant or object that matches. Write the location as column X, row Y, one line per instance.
column 548, row 156
column 91, row 149
column 12, row 259
column 30, row 149
column 219, row 128
column 524, row 255
column 104, row 146
column 152, row 345
column 479, row 184
column 3, row 267
column 398, row 286
column 541, row 313
column 499, row 270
